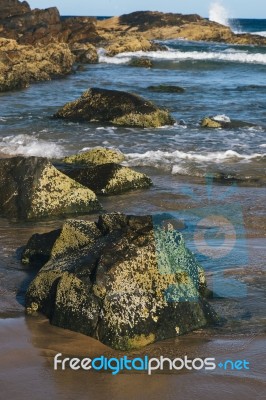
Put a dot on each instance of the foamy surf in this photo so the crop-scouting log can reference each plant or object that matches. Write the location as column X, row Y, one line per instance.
column 28, row 146
column 165, row 158
column 229, row 55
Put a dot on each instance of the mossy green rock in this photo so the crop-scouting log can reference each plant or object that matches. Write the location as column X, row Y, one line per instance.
column 98, row 156
column 141, row 62
column 33, row 188
column 107, row 179
column 208, row 122
column 125, row 280
column 166, row 89
column 116, row 107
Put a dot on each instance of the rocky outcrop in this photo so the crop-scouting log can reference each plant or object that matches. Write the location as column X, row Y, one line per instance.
column 19, row 22
column 32, row 188
column 151, row 25
column 117, row 107
column 125, row 280
column 20, row 65
column 98, row 155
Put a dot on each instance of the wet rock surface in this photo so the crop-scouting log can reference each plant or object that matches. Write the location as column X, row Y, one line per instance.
column 166, row 89
column 125, row 280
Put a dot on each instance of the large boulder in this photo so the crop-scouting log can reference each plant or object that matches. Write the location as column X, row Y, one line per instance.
column 116, row 107
column 33, row 188
column 125, row 280
column 20, row 65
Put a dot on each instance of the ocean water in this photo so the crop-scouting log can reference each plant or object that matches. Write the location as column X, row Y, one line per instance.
column 192, row 169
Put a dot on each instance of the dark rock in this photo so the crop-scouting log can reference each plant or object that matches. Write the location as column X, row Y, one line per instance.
column 125, row 280
column 141, row 62
column 39, row 247
column 107, row 179
column 119, row 108
column 145, row 20
column 9, row 8
column 84, row 53
column 32, row 188
column 166, row 89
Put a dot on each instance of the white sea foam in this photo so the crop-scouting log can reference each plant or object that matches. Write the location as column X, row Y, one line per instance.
column 218, row 13
column 164, row 158
column 27, row 145
column 221, row 118
column 260, row 33
column 176, row 55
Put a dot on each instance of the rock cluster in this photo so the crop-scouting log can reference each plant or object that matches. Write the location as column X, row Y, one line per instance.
column 33, row 188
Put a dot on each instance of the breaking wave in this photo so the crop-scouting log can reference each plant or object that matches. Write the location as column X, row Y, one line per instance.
column 159, row 158
column 27, row 145
column 229, row 55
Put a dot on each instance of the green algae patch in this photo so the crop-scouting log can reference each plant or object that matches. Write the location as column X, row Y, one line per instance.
column 210, row 123
column 153, row 120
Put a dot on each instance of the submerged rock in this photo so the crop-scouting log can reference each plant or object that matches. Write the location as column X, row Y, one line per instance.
column 209, row 122
column 125, row 280
column 117, row 107
column 141, row 62
column 98, row 155
column 33, row 188
column 166, row 89
column 108, row 178
column 222, row 121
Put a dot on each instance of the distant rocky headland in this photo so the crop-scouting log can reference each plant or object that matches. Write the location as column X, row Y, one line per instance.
column 38, row 44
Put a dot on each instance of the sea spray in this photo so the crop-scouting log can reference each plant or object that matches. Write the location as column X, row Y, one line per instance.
column 218, row 13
